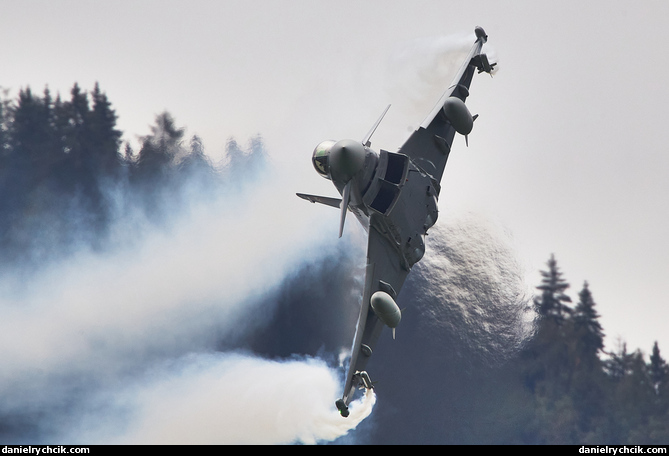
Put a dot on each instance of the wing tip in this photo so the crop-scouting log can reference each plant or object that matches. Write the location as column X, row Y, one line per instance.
column 480, row 34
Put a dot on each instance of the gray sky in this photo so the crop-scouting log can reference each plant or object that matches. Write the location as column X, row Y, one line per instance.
column 568, row 154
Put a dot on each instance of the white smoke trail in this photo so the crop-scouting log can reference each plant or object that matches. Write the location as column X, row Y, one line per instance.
column 231, row 398
column 76, row 336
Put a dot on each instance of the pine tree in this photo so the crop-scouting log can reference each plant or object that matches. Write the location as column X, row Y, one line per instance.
column 30, row 151
column 8, row 176
column 588, row 330
column 76, row 111
column 547, row 364
column 658, row 369
column 105, row 138
column 31, row 132
column 60, row 125
column 588, row 385
column 196, row 161
column 153, row 173
column 5, row 107
column 552, row 302
column 161, row 147
column 128, row 154
column 5, row 126
column 617, row 365
column 74, row 173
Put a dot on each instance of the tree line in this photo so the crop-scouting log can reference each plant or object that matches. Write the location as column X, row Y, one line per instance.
column 65, row 173
column 572, row 391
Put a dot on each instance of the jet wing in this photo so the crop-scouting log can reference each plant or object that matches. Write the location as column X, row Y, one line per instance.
column 333, row 202
column 429, row 146
column 384, row 272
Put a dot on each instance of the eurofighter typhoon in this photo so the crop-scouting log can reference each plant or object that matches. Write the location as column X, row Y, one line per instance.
column 394, row 196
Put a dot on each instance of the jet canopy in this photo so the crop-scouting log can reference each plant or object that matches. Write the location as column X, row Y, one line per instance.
column 321, row 158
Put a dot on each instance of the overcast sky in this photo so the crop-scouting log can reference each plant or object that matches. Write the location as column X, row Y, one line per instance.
column 569, row 152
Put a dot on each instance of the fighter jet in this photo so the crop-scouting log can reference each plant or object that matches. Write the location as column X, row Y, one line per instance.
column 394, row 196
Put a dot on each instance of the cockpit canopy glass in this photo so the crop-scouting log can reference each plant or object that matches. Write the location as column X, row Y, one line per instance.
column 320, row 159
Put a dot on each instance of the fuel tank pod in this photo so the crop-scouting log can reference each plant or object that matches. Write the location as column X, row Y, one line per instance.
column 458, row 114
column 386, row 309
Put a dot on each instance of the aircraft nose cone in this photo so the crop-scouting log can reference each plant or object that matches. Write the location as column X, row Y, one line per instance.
column 347, row 158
